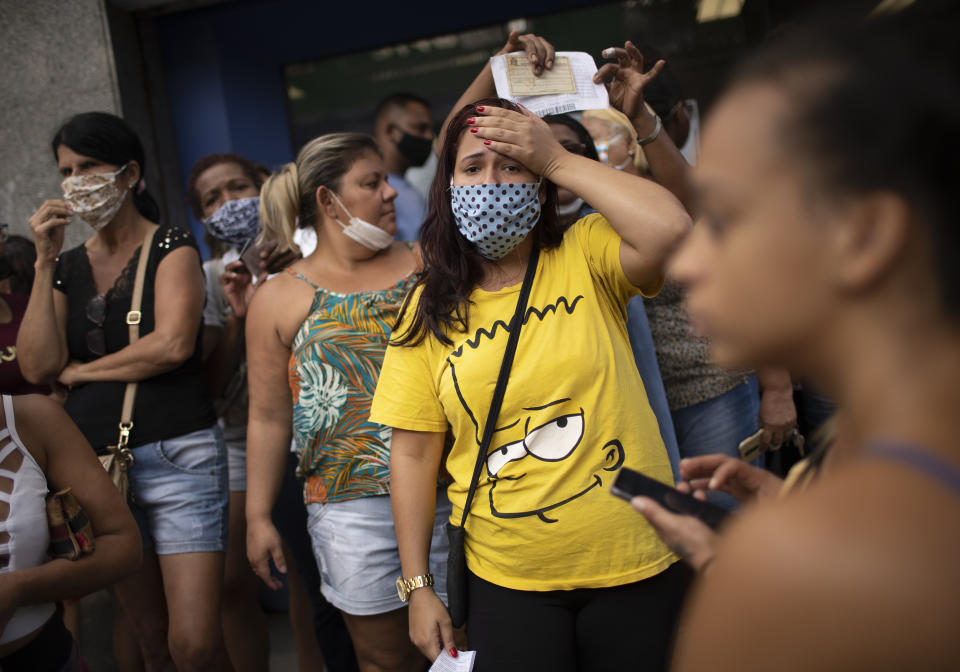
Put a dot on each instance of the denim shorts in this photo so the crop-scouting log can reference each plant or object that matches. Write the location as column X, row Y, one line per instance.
column 179, row 493
column 356, row 550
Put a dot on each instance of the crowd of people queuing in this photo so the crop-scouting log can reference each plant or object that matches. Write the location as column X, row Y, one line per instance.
column 358, row 373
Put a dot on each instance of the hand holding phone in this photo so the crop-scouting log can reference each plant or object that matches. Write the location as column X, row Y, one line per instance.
column 629, row 484
column 250, row 255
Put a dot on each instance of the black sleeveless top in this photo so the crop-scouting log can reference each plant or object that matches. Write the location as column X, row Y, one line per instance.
column 174, row 403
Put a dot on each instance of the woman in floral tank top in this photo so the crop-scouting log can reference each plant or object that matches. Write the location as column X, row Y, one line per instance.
column 316, row 337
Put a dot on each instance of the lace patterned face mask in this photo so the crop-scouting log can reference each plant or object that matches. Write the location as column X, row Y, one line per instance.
column 95, row 198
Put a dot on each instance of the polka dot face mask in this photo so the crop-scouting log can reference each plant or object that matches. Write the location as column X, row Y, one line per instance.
column 495, row 217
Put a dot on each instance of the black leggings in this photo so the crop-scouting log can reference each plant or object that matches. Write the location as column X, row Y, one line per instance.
column 627, row 627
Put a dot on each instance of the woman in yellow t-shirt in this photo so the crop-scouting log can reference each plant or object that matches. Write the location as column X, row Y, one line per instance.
column 556, row 565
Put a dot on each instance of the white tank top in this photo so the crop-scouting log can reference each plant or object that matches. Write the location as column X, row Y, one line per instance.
column 24, row 535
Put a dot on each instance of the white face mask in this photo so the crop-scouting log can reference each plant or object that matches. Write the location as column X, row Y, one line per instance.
column 603, row 151
column 95, row 198
column 570, row 208
column 370, row 236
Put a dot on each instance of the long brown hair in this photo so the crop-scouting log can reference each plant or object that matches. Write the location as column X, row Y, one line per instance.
column 452, row 266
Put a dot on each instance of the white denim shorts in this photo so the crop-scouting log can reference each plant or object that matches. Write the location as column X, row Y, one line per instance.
column 356, row 550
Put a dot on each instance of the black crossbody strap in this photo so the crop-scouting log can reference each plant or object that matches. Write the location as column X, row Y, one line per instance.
column 501, row 387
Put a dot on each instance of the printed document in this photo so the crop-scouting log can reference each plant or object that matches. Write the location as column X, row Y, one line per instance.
column 568, row 86
column 447, row 663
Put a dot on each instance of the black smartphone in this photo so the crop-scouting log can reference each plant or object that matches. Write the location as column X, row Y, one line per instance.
column 250, row 255
column 629, row 483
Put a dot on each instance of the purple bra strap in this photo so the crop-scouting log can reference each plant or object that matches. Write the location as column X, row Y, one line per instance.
column 931, row 465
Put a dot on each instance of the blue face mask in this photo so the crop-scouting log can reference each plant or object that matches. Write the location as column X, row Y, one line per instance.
column 496, row 217
column 235, row 222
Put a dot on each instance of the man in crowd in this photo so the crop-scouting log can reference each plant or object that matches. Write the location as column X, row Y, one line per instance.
column 403, row 128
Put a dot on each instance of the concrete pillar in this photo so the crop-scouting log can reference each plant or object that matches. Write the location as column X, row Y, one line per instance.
column 57, row 60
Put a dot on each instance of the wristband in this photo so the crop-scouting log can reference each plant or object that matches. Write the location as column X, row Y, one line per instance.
column 653, row 136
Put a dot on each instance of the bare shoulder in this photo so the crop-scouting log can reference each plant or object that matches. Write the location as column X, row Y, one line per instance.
column 37, row 419
column 861, row 571
column 280, row 304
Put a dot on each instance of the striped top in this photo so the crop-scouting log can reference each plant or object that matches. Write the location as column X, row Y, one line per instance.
column 334, row 367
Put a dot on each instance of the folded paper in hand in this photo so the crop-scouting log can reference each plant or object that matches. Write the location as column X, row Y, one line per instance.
column 566, row 87
column 447, row 663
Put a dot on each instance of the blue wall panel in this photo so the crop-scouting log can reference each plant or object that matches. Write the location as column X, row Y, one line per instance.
column 223, row 64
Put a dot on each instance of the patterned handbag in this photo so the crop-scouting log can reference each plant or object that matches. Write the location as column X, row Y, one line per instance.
column 71, row 535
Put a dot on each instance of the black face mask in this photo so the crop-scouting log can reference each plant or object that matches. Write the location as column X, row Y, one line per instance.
column 6, row 268
column 414, row 149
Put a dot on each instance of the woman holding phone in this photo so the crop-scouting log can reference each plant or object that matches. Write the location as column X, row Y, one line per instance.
column 828, row 244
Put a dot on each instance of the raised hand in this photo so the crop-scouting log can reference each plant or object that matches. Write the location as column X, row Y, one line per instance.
column 625, row 79
column 238, row 287
column 520, row 135
column 47, row 225
column 539, row 51
column 274, row 258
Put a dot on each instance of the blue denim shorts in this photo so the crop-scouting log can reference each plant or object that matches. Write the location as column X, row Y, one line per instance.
column 356, row 550
column 179, row 493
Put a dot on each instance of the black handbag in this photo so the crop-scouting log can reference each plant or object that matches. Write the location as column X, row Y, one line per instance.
column 456, row 557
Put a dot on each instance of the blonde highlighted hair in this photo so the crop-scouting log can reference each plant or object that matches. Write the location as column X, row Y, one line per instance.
column 620, row 123
column 288, row 198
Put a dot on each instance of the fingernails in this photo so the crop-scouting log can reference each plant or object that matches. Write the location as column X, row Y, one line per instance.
column 550, row 63
column 479, row 108
column 532, row 57
column 486, row 142
column 453, row 652
column 474, row 130
column 471, row 120
column 639, row 503
column 608, row 52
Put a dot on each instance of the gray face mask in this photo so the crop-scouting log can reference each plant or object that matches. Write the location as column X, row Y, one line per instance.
column 370, row 236
column 571, row 208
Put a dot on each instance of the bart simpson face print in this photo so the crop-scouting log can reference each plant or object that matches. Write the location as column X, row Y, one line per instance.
column 538, row 461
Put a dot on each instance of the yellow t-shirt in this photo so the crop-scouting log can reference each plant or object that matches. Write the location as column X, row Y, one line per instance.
column 574, row 412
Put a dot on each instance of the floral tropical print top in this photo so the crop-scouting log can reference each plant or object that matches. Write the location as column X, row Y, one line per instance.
column 334, row 367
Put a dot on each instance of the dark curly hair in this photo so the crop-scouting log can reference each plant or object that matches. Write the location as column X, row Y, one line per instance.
column 252, row 170
column 452, row 266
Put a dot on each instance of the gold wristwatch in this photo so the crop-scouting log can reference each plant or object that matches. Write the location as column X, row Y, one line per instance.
column 407, row 586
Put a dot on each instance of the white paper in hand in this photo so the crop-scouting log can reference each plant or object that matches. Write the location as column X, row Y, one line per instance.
column 567, row 87
column 447, row 663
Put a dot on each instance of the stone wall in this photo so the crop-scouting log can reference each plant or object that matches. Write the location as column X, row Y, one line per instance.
column 57, row 60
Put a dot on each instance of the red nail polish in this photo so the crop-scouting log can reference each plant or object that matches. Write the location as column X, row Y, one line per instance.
column 453, row 652
column 471, row 120
column 474, row 130
column 479, row 108
column 486, row 142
